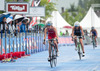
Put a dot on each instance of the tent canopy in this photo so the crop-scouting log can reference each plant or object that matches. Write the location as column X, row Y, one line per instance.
column 67, row 27
column 91, row 19
column 58, row 20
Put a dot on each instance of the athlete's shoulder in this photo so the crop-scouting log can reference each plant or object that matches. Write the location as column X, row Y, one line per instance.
column 95, row 29
column 80, row 26
column 46, row 28
column 73, row 27
column 53, row 27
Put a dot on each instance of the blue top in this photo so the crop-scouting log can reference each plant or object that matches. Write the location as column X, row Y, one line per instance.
column 94, row 33
column 22, row 27
column 77, row 32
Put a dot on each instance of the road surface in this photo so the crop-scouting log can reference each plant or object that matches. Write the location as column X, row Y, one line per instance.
column 67, row 61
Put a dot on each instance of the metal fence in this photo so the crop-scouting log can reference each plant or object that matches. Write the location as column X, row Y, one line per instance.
column 30, row 42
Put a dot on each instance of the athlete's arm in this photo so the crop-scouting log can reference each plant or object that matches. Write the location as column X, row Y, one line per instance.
column 96, row 32
column 82, row 31
column 56, row 32
column 45, row 31
column 73, row 31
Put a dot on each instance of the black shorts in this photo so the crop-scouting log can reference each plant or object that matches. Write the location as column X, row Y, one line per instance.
column 80, row 37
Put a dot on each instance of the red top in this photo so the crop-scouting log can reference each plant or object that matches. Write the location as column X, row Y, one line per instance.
column 51, row 33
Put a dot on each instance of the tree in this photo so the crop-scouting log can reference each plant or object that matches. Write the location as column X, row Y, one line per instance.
column 86, row 4
column 49, row 8
column 17, row 0
column 74, row 15
column 72, row 8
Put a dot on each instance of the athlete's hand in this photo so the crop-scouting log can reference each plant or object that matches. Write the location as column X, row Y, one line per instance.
column 72, row 38
column 44, row 42
column 83, row 38
column 57, row 41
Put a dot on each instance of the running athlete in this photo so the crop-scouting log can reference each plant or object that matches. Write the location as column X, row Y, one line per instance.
column 94, row 33
column 52, row 34
column 78, row 31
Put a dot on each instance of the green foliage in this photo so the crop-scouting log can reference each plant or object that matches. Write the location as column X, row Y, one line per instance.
column 86, row 4
column 78, row 13
column 49, row 8
column 16, row 0
column 26, row 0
column 9, row 0
column 72, row 7
column 74, row 15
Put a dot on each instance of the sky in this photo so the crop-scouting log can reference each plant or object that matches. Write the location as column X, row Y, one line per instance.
column 64, row 3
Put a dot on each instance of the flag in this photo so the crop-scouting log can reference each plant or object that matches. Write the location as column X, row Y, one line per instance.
column 37, row 2
column 33, row 22
column 32, row 3
column 34, row 19
column 49, row 0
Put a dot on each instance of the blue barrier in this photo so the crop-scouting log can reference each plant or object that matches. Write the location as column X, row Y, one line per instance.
column 65, row 40
column 33, row 43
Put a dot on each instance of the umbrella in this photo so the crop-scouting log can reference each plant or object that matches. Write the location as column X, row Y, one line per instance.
column 42, row 25
column 4, row 15
column 67, row 27
column 19, row 18
column 27, row 19
column 10, row 18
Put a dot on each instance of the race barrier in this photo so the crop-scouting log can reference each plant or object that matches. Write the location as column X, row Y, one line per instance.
column 26, row 43
column 22, row 44
column 65, row 40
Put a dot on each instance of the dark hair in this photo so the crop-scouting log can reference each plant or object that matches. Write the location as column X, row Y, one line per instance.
column 3, row 18
column 24, row 21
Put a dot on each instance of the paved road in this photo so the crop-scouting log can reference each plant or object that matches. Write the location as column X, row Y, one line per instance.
column 67, row 61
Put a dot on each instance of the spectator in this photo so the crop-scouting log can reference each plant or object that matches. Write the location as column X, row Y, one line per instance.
column 23, row 26
column 40, row 29
column 66, row 33
column 3, row 25
column 15, row 27
column 61, row 33
column 86, row 33
column 11, row 27
column 27, row 23
column 36, row 28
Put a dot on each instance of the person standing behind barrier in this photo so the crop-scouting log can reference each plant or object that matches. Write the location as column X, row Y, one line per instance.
column 94, row 33
column 27, row 24
column 61, row 33
column 11, row 27
column 23, row 26
column 40, row 29
column 3, row 25
column 66, row 33
column 86, row 33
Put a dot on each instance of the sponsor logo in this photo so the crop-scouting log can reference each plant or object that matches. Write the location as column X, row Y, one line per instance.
column 17, row 8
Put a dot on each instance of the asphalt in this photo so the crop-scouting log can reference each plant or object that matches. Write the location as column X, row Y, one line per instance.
column 67, row 61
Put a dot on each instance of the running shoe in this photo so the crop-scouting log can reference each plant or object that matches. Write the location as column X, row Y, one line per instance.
column 83, row 54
